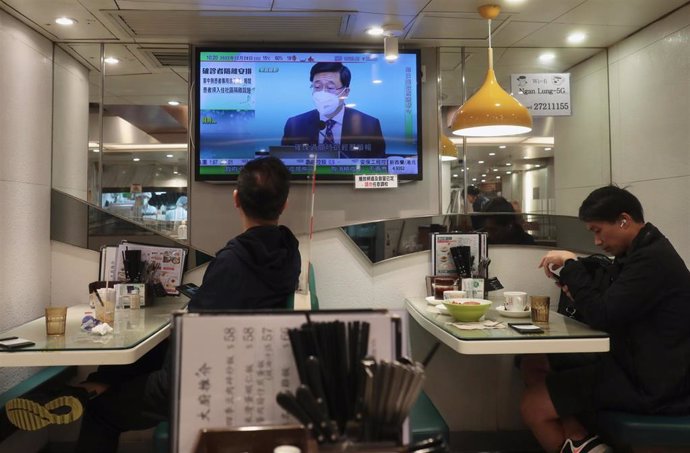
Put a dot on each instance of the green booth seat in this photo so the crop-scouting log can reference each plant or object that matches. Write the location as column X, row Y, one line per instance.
column 628, row 431
column 426, row 421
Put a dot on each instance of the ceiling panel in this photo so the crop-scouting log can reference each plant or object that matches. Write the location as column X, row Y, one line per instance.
column 203, row 5
column 450, row 26
column 389, row 7
column 530, row 10
column 555, row 34
column 43, row 13
column 632, row 13
column 196, row 26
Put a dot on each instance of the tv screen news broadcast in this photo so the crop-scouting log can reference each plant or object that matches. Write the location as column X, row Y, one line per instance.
column 352, row 111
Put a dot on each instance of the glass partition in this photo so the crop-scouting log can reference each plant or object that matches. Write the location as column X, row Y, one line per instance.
column 121, row 135
column 380, row 241
column 81, row 224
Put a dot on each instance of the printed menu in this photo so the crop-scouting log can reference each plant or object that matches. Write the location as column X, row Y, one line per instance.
column 166, row 264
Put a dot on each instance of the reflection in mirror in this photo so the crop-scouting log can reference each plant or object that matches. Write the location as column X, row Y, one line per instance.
column 81, row 224
column 380, row 241
column 133, row 159
column 536, row 172
column 145, row 155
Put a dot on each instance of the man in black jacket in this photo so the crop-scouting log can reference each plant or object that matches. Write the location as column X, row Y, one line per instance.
column 257, row 269
column 645, row 309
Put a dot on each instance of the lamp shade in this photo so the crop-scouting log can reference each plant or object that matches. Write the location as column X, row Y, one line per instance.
column 448, row 149
column 491, row 112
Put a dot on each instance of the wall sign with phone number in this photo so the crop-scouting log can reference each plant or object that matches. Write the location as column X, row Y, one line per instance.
column 543, row 94
column 551, row 106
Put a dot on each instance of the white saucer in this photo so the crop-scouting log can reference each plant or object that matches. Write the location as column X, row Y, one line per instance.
column 513, row 314
column 442, row 309
column 433, row 301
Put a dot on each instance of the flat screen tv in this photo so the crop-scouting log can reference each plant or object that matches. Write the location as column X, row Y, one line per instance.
column 352, row 111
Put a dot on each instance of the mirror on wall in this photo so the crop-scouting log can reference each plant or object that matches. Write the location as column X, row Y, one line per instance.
column 380, row 241
column 130, row 154
column 538, row 172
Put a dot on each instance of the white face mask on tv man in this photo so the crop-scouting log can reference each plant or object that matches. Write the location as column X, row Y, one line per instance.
column 326, row 103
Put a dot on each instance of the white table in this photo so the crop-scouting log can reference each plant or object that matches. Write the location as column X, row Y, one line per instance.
column 562, row 334
column 136, row 333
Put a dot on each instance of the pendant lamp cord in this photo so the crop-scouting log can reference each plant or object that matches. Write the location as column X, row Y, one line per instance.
column 491, row 53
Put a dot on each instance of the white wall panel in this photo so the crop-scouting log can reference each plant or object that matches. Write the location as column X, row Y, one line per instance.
column 581, row 151
column 71, row 124
column 650, row 118
column 25, row 137
column 72, row 269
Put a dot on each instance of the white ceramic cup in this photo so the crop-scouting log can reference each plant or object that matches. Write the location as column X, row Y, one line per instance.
column 454, row 295
column 515, row 300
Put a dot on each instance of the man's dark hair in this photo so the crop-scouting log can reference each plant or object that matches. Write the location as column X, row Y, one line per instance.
column 471, row 190
column 318, row 68
column 607, row 203
column 262, row 188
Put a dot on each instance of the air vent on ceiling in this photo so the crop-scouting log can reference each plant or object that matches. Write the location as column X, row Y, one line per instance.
column 172, row 57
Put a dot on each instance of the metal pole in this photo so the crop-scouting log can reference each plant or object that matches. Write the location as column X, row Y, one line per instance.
column 463, row 89
column 99, row 177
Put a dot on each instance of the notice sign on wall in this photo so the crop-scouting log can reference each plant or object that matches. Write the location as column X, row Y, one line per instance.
column 543, row 94
column 376, row 181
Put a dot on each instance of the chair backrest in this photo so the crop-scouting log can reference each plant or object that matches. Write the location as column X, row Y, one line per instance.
column 313, row 298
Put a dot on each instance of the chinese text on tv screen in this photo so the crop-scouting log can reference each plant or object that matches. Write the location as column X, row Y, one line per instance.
column 347, row 112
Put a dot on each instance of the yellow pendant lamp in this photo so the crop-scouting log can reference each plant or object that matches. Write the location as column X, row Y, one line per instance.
column 448, row 149
column 491, row 111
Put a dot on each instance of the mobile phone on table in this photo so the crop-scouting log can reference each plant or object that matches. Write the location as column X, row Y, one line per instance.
column 188, row 289
column 15, row 343
column 525, row 327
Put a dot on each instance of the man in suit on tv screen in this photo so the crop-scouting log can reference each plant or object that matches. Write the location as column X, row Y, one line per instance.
column 353, row 133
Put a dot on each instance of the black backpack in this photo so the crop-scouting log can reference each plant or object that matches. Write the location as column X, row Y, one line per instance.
column 603, row 272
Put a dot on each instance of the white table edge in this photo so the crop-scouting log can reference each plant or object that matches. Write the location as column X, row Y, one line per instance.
column 502, row 346
column 84, row 357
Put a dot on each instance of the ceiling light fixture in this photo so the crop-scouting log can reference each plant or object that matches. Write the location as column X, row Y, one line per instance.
column 169, row 156
column 508, row 172
column 136, row 159
column 491, row 111
column 391, row 32
column 448, row 150
column 173, row 102
column 502, row 147
column 375, row 31
column 547, row 57
column 480, row 162
column 390, row 48
column 111, row 60
column 66, row 21
column 508, row 164
column 547, row 149
column 576, row 37
column 492, row 154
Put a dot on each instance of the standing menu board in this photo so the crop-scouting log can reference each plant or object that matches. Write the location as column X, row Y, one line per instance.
column 230, row 366
column 441, row 257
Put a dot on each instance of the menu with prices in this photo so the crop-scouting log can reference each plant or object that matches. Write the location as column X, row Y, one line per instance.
column 441, row 257
column 231, row 367
column 168, row 264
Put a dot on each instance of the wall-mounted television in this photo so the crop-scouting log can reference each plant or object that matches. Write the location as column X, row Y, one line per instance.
column 352, row 111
